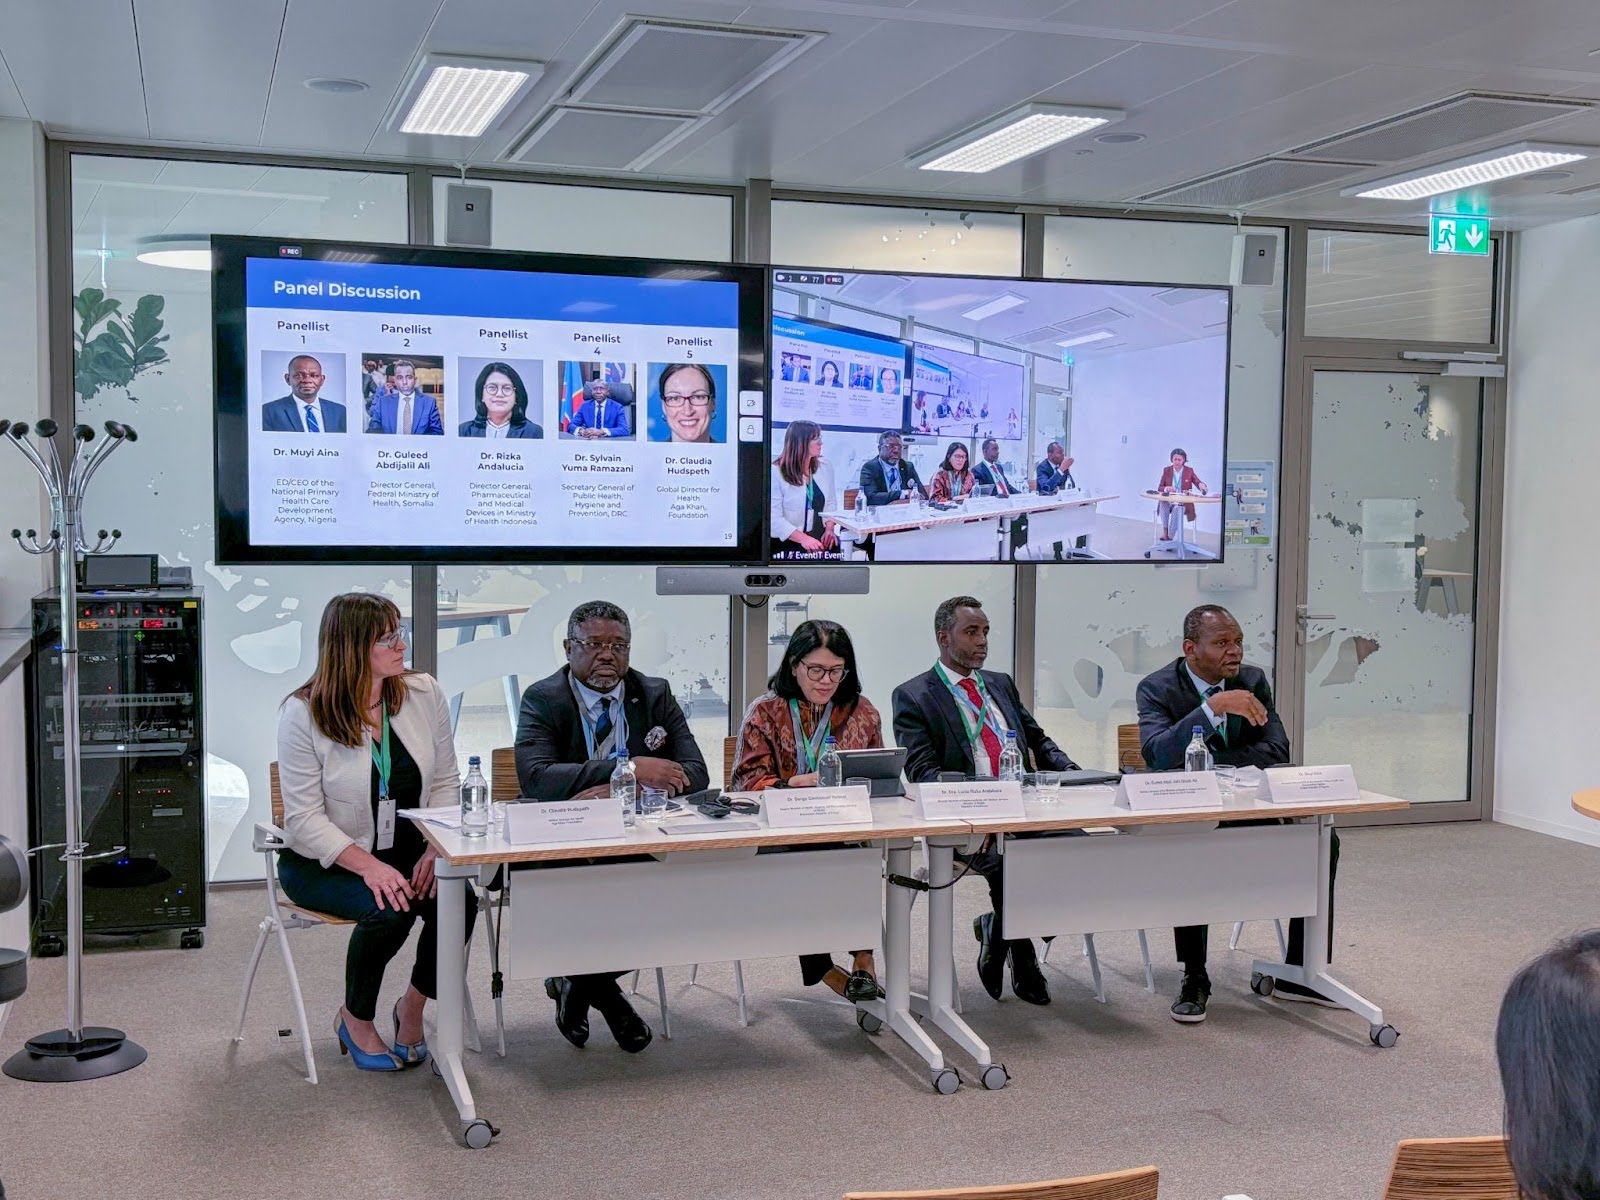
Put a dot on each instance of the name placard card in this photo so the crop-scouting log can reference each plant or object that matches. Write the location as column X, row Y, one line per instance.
column 1162, row 791
column 799, row 808
column 1310, row 785
column 987, row 798
column 564, row 821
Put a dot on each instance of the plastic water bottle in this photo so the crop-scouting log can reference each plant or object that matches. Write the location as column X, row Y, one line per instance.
column 830, row 771
column 1011, row 758
column 474, row 801
column 1197, row 757
column 861, row 507
column 625, row 787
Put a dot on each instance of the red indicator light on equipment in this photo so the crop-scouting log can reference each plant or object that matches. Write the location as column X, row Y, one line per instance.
column 153, row 623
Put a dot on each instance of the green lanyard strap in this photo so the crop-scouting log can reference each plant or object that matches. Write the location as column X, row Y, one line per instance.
column 809, row 750
column 381, row 758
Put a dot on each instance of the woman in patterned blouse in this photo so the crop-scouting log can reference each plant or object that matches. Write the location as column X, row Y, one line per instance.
column 813, row 692
column 952, row 480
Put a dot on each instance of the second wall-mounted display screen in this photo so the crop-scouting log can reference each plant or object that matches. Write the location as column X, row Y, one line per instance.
column 921, row 418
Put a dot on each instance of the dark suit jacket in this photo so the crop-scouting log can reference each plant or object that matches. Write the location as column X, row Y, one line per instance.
column 424, row 414
column 283, row 416
column 990, row 476
column 928, row 724
column 875, row 483
column 1048, row 479
column 1169, row 709
column 479, row 428
column 553, row 760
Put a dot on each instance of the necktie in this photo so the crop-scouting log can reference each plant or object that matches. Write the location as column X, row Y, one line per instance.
column 892, row 479
column 405, row 416
column 311, row 419
column 991, row 742
column 1222, row 729
column 605, row 732
column 1000, row 480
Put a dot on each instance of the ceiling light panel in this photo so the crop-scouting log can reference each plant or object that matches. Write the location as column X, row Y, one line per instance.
column 1083, row 339
column 1013, row 135
column 989, row 308
column 1506, row 162
column 461, row 96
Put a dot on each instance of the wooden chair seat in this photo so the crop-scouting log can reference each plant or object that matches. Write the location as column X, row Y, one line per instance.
column 313, row 915
column 1468, row 1168
column 1137, row 1184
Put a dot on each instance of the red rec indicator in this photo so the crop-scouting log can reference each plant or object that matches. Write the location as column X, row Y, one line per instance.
column 153, row 623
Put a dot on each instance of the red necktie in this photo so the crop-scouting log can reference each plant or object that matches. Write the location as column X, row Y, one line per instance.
column 1001, row 480
column 991, row 743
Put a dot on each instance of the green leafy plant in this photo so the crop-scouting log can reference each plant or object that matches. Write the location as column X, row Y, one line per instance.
column 112, row 348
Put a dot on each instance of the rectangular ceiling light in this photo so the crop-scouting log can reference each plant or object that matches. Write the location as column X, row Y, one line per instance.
column 1013, row 135
column 1487, row 166
column 461, row 96
column 990, row 307
column 1083, row 339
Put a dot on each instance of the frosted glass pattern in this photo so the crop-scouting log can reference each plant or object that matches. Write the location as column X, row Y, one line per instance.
column 1394, row 497
column 892, row 238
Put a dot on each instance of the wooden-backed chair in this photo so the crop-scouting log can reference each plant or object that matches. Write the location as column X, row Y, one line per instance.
column 1467, row 1168
column 283, row 916
column 1137, row 1184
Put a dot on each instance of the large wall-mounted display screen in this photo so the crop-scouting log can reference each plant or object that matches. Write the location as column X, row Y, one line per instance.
column 1054, row 421
column 398, row 404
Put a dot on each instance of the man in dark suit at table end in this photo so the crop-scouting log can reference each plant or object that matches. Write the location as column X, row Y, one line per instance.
column 1213, row 688
column 572, row 727
column 955, row 718
column 889, row 477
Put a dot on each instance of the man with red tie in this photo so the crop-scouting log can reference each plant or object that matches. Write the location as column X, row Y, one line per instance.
column 954, row 719
column 990, row 472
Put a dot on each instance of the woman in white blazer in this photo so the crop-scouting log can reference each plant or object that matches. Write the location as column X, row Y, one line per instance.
column 802, row 488
column 362, row 739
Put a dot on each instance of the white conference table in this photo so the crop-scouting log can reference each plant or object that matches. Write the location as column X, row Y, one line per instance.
column 1180, row 545
column 1172, row 867
column 978, row 529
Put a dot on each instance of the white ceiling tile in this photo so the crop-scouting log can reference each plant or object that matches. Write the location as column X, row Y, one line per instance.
column 1156, row 16
column 77, row 66
column 226, row 102
column 11, row 104
column 1359, row 28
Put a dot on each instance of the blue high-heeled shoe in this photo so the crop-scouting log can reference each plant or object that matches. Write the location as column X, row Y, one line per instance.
column 364, row 1061
column 416, row 1052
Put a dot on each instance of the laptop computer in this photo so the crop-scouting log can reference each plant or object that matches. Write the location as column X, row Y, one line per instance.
column 880, row 768
column 1080, row 778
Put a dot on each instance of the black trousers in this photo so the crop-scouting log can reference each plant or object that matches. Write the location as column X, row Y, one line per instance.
column 1190, row 940
column 379, row 932
column 991, row 864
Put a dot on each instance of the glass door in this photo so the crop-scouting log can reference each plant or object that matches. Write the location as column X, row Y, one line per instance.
column 1386, row 625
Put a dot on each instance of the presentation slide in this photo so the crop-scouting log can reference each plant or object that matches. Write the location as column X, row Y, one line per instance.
column 1057, row 421
column 459, row 408
column 845, row 378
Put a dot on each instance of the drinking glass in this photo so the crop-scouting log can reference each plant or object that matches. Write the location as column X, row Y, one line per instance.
column 652, row 803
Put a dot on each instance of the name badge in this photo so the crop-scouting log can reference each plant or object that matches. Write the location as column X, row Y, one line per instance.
column 1310, row 785
column 383, row 837
column 987, row 798
column 597, row 820
column 1163, row 791
column 798, row 808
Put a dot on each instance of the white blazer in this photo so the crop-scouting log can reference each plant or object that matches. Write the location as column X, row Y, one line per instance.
column 327, row 788
column 789, row 501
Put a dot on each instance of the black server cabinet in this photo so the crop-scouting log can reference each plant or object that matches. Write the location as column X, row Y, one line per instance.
column 140, row 688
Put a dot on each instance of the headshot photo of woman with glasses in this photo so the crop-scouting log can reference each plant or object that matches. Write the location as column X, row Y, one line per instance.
column 683, row 406
column 500, row 404
column 814, row 692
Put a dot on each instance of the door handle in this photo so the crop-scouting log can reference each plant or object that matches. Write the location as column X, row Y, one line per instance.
column 1302, row 618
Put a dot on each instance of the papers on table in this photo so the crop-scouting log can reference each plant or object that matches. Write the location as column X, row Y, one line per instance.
column 446, row 817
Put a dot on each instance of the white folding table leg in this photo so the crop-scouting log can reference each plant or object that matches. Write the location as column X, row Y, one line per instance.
column 1233, row 938
column 452, row 959
column 661, row 999
column 633, row 986
column 738, row 983
column 250, row 974
column 1094, row 967
column 694, row 970
column 895, row 1009
column 1283, row 942
column 1149, row 971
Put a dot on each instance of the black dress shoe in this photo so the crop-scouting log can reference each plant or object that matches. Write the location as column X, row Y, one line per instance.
column 1190, row 1006
column 862, row 986
column 1027, row 980
column 1284, row 990
column 991, row 955
column 572, row 1011
column 627, row 1026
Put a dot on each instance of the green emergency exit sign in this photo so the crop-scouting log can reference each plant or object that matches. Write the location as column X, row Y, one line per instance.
column 1450, row 234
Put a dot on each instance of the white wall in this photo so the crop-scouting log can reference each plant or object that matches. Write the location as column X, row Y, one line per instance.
column 1549, row 693
column 23, row 350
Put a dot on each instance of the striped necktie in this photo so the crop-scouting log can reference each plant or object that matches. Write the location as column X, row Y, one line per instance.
column 605, row 731
column 311, row 419
column 1222, row 729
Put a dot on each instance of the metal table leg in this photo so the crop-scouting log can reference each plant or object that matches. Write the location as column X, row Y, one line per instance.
column 895, row 1009
column 448, row 1036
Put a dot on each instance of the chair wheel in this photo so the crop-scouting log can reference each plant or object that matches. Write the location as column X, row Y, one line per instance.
column 1262, row 985
column 478, row 1134
column 433, row 1065
column 1384, row 1036
column 868, row 1022
column 995, row 1077
column 191, row 939
column 946, row 1081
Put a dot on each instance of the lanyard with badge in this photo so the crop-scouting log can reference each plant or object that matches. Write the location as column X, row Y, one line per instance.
column 809, row 750
column 381, row 759
column 973, row 718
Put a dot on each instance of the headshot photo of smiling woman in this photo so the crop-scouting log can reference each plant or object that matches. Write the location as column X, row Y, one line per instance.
column 499, row 400
column 686, row 402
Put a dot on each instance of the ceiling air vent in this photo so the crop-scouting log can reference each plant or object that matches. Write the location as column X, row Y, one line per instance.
column 1428, row 131
column 1254, row 183
column 599, row 140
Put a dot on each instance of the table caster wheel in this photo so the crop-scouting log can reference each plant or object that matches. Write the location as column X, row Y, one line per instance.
column 995, row 1077
column 946, row 1081
column 478, row 1134
column 868, row 1022
column 191, row 939
column 1384, row 1036
column 1262, row 985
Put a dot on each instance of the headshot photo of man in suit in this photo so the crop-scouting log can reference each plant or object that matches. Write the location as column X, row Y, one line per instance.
column 304, row 409
column 407, row 409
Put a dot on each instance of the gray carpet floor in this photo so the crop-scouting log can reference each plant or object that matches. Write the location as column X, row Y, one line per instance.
column 1279, row 1101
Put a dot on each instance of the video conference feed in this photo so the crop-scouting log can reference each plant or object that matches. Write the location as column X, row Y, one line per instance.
column 459, row 409
column 1038, row 421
